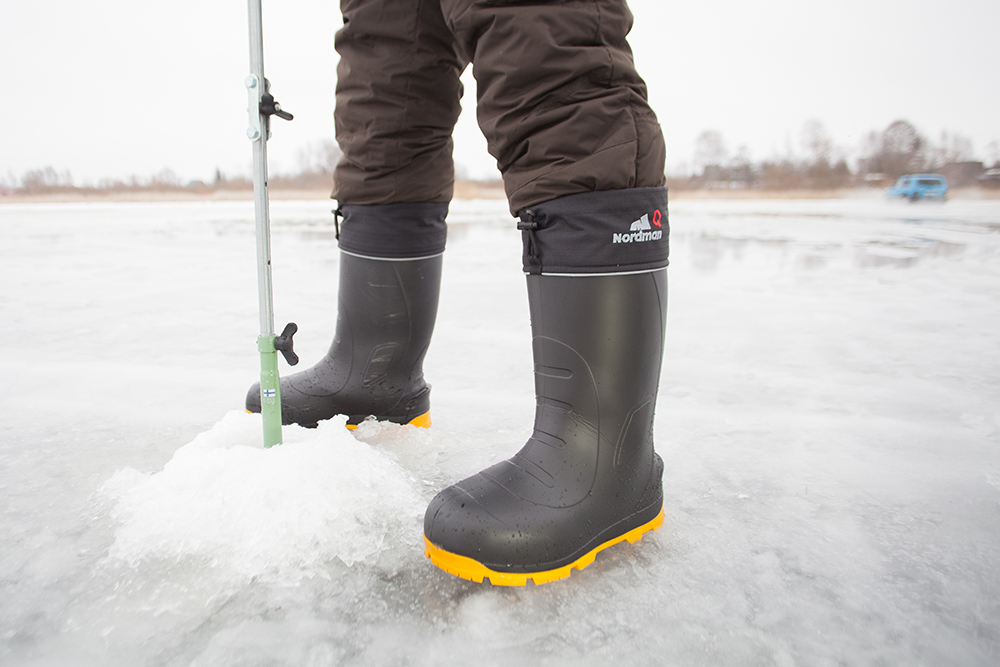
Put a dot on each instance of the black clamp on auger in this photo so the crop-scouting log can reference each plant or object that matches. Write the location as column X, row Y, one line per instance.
column 285, row 344
column 270, row 107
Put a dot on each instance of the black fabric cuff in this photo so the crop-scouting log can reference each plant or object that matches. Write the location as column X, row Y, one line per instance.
column 608, row 231
column 393, row 231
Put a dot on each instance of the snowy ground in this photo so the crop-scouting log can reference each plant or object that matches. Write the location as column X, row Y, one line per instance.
column 829, row 418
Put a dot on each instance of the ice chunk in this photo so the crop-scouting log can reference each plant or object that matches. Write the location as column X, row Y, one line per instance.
column 253, row 512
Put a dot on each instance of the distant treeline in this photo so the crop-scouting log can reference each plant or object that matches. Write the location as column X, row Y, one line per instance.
column 315, row 172
column 884, row 156
column 49, row 181
column 820, row 165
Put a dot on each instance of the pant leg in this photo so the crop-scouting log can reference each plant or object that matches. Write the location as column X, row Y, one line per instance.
column 398, row 98
column 559, row 99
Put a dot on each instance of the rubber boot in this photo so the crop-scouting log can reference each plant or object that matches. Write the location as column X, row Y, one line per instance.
column 588, row 477
column 385, row 317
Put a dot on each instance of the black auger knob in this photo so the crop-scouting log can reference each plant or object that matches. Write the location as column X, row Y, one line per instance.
column 285, row 345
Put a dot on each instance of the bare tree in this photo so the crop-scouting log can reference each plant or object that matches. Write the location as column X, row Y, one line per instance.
column 993, row 153
column 165, row 179
column 319, row 157
column 45, row 179
column 816, row 142
column 953, row 148
column 741, row 168
column 897, row 150
column 710, row 154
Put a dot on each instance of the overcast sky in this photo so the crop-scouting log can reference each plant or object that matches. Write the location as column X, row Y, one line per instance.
column 113, row 88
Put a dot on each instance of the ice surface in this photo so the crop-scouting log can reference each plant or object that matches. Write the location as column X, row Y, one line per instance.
column 828, row 417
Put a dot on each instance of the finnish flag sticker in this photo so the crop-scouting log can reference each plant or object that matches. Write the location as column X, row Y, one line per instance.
column 269, row 393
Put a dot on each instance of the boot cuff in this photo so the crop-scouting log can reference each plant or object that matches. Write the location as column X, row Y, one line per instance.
column 393, row 231
column 609, row 231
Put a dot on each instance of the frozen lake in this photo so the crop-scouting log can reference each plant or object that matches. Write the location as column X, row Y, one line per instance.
column 829, row 418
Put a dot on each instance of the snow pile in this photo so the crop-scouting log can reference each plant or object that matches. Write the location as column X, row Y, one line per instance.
column 284, row 512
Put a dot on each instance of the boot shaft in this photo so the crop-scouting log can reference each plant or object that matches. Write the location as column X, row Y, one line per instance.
column 611, row 328
column 597, row 344
column 385, row 317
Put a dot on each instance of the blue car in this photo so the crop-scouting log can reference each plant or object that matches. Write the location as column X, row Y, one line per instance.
column 920, row 186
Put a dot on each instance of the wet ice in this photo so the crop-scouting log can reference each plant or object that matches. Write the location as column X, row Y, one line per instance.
column 827, row 417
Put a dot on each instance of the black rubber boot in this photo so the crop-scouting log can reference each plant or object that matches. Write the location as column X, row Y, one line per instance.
column 386, row 313
column 588, row 476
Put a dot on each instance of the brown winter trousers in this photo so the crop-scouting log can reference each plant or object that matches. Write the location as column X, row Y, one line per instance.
column 558, row 97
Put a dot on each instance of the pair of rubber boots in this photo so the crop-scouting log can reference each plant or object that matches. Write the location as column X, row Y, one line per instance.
column 586, row 479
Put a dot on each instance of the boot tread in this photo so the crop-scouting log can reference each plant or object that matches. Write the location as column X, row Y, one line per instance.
column 472, row 570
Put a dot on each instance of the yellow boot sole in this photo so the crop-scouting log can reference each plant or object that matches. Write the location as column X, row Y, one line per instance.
column 467, row 568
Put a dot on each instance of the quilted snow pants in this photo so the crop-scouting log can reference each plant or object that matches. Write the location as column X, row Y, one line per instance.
column 559, row 100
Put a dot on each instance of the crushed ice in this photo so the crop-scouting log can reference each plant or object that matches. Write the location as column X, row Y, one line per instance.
column 281, row 513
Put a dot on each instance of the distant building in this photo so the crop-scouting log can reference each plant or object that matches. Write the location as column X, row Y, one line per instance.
column 991, row 177
column 962, row 173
